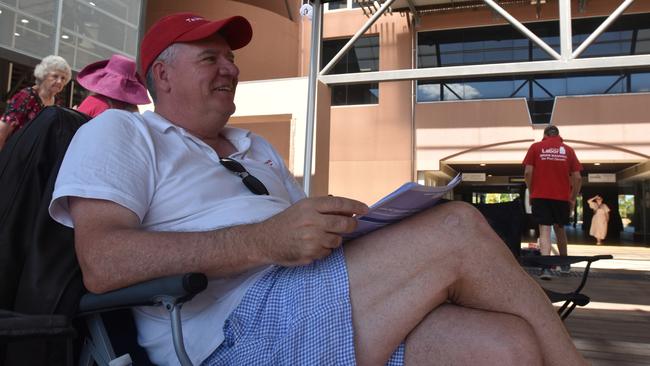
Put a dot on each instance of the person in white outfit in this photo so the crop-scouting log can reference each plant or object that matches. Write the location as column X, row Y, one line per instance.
column 600, row 219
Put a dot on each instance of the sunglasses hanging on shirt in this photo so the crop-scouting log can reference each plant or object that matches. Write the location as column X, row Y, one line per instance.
column 253, row 184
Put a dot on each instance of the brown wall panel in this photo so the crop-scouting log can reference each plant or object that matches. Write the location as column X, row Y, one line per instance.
column 602, row 109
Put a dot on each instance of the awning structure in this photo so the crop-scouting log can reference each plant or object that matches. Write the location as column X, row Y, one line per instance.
column 566, row 60
column 280, row 7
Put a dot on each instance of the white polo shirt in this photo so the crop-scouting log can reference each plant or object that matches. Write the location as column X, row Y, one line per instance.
column 173, row 181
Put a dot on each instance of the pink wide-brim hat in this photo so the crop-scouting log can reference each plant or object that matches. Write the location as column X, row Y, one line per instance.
column 115, row 78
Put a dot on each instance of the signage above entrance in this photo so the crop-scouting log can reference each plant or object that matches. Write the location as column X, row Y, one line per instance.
column 601, row 178
column 473, row 177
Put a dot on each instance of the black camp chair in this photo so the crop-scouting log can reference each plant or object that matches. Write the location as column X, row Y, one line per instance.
column 43, row 304
column 507, row 220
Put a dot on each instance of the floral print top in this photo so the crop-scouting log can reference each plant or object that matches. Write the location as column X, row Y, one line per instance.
column 24, row 106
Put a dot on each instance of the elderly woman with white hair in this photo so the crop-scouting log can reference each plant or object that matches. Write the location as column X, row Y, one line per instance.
column 52, row 74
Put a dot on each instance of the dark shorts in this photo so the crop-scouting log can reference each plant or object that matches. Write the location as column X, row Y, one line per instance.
column 549, row 212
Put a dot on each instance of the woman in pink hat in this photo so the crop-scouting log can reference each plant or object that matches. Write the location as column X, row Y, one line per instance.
column 113, row 83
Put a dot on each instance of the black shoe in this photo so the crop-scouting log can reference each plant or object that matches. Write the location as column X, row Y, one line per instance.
column 545, row 275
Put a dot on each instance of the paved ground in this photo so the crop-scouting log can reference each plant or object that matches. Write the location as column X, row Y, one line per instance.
column 614, row 328
column 634, row 258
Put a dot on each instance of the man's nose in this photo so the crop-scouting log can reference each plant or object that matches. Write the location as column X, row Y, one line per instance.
column 229, row 68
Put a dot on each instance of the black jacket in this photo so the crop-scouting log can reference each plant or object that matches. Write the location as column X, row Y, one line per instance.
column 39, row 273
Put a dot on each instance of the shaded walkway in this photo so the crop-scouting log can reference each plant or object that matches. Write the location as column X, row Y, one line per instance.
column 614, row 329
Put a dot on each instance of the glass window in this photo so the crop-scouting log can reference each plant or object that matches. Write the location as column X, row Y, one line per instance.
column 489, row 89
column 28, row 27
column 470, row 52
column 453, row 91
column 540, row 54
column 522, row 89
column 337, row 4
column 427, row 92
column 33, row 37
column 117, row 20
column 544, row 88
column 427, row 56
column 342, row 4
column 642, row 42
column 481, row 46
column 607, row 44
column 367, row 93
column 594, row 84
column 640, row 82
column 540, row 110
column 7, row 20
column 38, row 8
column 29, row 30
column 362, row 57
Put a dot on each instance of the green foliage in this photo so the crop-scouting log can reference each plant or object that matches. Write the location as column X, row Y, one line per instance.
column 626, row 206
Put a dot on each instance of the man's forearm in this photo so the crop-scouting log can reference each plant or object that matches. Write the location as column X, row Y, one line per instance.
column 528, row 177
column 114, row 252
column 123, row 257
column 576, row 184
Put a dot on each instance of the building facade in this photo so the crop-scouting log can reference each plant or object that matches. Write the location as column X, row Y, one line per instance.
column 430, row 89
column 463, row 89
column 82, row 32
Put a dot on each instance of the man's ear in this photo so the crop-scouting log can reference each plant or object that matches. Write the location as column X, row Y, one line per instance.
column 161, row 76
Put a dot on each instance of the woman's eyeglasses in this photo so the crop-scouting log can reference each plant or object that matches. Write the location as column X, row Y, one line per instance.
column 252, row 183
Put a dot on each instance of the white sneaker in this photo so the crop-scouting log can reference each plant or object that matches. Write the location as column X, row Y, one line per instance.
column 545, row 275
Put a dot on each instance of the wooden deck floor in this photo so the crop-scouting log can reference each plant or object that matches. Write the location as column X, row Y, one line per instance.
column 614, row 329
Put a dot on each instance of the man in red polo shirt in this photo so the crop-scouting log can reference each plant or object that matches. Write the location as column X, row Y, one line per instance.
column 552, row 175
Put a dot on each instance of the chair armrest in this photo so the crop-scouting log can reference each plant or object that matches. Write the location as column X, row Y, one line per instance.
column 180, row 288
column 556, row 260
column 578, row 299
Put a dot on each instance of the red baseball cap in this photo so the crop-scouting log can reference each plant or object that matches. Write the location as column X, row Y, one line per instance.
column 188, row 27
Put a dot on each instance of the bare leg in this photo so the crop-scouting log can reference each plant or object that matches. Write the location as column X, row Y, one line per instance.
column 545, row 239
column 562, row 240
column 399, row 274
column 454, row 335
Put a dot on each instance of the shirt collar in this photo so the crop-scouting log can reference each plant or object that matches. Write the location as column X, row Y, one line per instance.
column 552, row 137
column 239, row 137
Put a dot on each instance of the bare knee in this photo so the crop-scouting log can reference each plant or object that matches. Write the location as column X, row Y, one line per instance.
column 518, row 344
column 468, row 228
column 454, row 335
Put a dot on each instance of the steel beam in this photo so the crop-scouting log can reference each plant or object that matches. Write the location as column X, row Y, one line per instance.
column 610, row 19
column 316, row 34
column 361, row 31
column 522, row 28
column 517, row 68
column 566, row 36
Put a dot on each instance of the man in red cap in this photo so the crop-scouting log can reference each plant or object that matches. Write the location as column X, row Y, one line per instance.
column 552, row 174
column 178, row 191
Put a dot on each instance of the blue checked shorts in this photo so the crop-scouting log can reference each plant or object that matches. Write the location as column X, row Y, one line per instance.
column 294, row 316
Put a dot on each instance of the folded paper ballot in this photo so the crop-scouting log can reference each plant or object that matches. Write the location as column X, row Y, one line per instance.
column 405, row 201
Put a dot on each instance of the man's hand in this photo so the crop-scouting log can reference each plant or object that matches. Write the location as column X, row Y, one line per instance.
column 572, row 205
column 308, row 230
